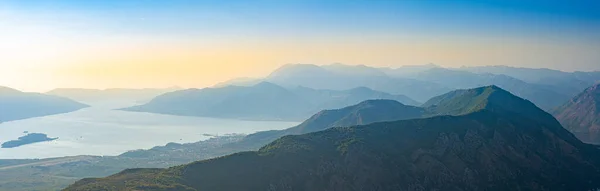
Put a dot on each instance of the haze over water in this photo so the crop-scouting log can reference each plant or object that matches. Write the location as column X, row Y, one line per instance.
column 104, row 131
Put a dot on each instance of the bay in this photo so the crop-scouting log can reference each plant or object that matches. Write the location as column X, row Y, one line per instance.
column 99, row 130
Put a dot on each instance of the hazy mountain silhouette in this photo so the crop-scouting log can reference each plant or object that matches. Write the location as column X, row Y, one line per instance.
column 15, row 105
column 545, row 87
column 238, row 82
column 342, row 77
column 581, row 115
column 264, row 101
column 543, row 96
column 532, row 75
column 353, row 70
column 493, row 141
column 568, row 83
column 328, row 99
column 408, row 70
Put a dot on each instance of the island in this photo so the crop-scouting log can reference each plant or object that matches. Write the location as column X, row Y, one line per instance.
column 27, row 139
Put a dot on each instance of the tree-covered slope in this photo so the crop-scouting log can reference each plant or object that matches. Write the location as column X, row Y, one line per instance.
column 495, row 99
column 366, row 112
column 492, row 141
column 483, row 150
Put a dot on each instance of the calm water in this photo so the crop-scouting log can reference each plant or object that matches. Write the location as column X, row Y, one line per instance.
column 103, row 131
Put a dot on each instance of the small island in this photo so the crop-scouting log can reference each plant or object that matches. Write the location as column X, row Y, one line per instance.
column 27, row 139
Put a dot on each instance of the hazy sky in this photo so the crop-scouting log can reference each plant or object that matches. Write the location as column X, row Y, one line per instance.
column 142, row 43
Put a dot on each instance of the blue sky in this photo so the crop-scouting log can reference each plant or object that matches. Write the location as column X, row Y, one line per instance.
column 196, row 43
column 311, row 17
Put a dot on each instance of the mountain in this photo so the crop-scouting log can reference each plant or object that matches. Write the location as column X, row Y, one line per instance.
column 354, row 70
column 581, row 115
column 238, row 82
column 15, row 105
column 408, row 70
column 51, row 177
column 568, row 83
column 94, row 96
column 263, row 101
column 341, row 98
column 532, row 75
column 343, row 77
column 543, row 96
column 461, row 102
column 365, row 112
column 494, row 141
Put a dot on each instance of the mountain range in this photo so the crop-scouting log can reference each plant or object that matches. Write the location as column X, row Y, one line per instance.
column 568, row 83
column 581, row 115
column 342, row 77
column 263, row 101
column 545, row 87
column 311, row 88
column 16, row 105
column 476, row 139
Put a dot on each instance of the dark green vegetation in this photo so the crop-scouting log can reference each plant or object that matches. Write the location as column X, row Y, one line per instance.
column 491, row 140
column 27, row 139
column 366, row 112
column 263, row 101
column 58, row 173
column 581, row 115
column 15, row 105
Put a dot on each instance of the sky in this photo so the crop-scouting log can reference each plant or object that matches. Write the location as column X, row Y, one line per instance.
column 45, row 44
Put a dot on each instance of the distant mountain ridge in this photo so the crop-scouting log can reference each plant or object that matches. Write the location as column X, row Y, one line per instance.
column 342, row 77
column 486, row 139
column 543, row 96
column 263, row 101
column 238, row 82
column 16, row 105
column 568, row 83
column 546, row 88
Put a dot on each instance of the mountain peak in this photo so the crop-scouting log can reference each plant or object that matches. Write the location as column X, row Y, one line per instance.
column 266, row 84
column 377, row 102
column 496, row 99
column 353, row 70
column 460, row 102
column 581, row 115
column 6, row 90
column 365, row 112
column 437, row 153
column 290, row 69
